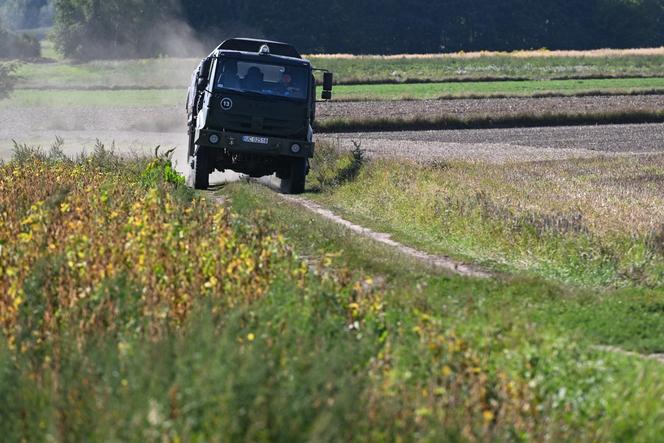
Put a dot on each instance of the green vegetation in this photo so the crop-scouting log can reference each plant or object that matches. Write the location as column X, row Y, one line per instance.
column 493, row 311
column 628, row 318
column 136, row 310
column 163, row 97
column 417, row 26
column 593, row 222
column 501, row 89
column 101, row 30
column 125, row 98
column 176, row 72
column 533, row 66
column 48, row 51
column 116, row 74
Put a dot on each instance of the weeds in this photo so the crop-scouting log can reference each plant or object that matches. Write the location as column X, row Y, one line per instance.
column 332, row 167
column 160, row 169
column 81, row 224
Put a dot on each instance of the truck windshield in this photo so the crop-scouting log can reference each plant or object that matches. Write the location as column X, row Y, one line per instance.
column 264, row 78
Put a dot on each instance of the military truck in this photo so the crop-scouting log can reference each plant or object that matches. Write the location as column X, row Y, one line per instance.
column 251, row 107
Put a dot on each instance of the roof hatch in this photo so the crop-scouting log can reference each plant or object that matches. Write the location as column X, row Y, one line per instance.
column 255, row 45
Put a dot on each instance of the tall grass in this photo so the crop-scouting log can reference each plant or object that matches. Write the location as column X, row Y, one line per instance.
column 591, row 221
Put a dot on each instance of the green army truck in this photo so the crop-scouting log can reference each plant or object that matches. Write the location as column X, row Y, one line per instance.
column 251, row 107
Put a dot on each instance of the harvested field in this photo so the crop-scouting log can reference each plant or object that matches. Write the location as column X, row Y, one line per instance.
column 509, row 145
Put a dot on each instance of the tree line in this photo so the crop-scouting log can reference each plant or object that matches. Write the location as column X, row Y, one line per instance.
column 138, row 28
column 26, row 14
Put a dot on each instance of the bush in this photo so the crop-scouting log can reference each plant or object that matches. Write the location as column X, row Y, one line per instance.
column 18, row 46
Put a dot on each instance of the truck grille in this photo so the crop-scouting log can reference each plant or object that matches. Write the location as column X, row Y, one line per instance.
column 260, row 125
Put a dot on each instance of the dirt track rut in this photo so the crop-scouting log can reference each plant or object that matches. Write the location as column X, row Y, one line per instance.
column 436, row 261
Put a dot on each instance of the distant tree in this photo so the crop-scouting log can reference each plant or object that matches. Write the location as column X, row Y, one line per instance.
column 138, row 28
column 630, row 23
column 86, row 29
column 26, row 14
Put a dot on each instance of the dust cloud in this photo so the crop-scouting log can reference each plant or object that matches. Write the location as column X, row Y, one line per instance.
column 129, row 125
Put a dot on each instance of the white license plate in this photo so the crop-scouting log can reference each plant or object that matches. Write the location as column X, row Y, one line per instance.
column 252, row 139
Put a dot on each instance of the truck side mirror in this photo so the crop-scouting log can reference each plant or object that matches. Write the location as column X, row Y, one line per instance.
column 327, row 81
column 201, row 83
column 327, row 86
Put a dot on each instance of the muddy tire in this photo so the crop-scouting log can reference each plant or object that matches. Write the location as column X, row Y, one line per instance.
column 294, row 183
column 200, row 169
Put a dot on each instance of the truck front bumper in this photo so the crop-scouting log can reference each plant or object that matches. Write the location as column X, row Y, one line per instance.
column 253, row 144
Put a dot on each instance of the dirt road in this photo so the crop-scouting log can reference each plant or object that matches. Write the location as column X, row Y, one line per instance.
column 495, row 145
column 140, row 129
column 171, row 118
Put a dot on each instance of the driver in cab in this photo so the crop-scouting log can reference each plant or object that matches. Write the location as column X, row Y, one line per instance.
column 287, row 86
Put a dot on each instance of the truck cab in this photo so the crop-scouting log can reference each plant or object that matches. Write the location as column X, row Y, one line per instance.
column 251, row 108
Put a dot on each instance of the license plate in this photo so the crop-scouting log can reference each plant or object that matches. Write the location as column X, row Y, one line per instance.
column 252, row 139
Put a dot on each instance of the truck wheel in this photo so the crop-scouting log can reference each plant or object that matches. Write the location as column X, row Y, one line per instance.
column 201, row 169
column 294, row 183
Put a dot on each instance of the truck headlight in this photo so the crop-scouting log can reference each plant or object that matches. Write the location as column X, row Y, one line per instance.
column 295, row 148
column 214, row 139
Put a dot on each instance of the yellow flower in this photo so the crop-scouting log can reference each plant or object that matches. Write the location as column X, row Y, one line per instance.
column 251, row 336
column 487, row 415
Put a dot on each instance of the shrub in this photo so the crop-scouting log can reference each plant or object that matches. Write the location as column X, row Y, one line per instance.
column 18, row 46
